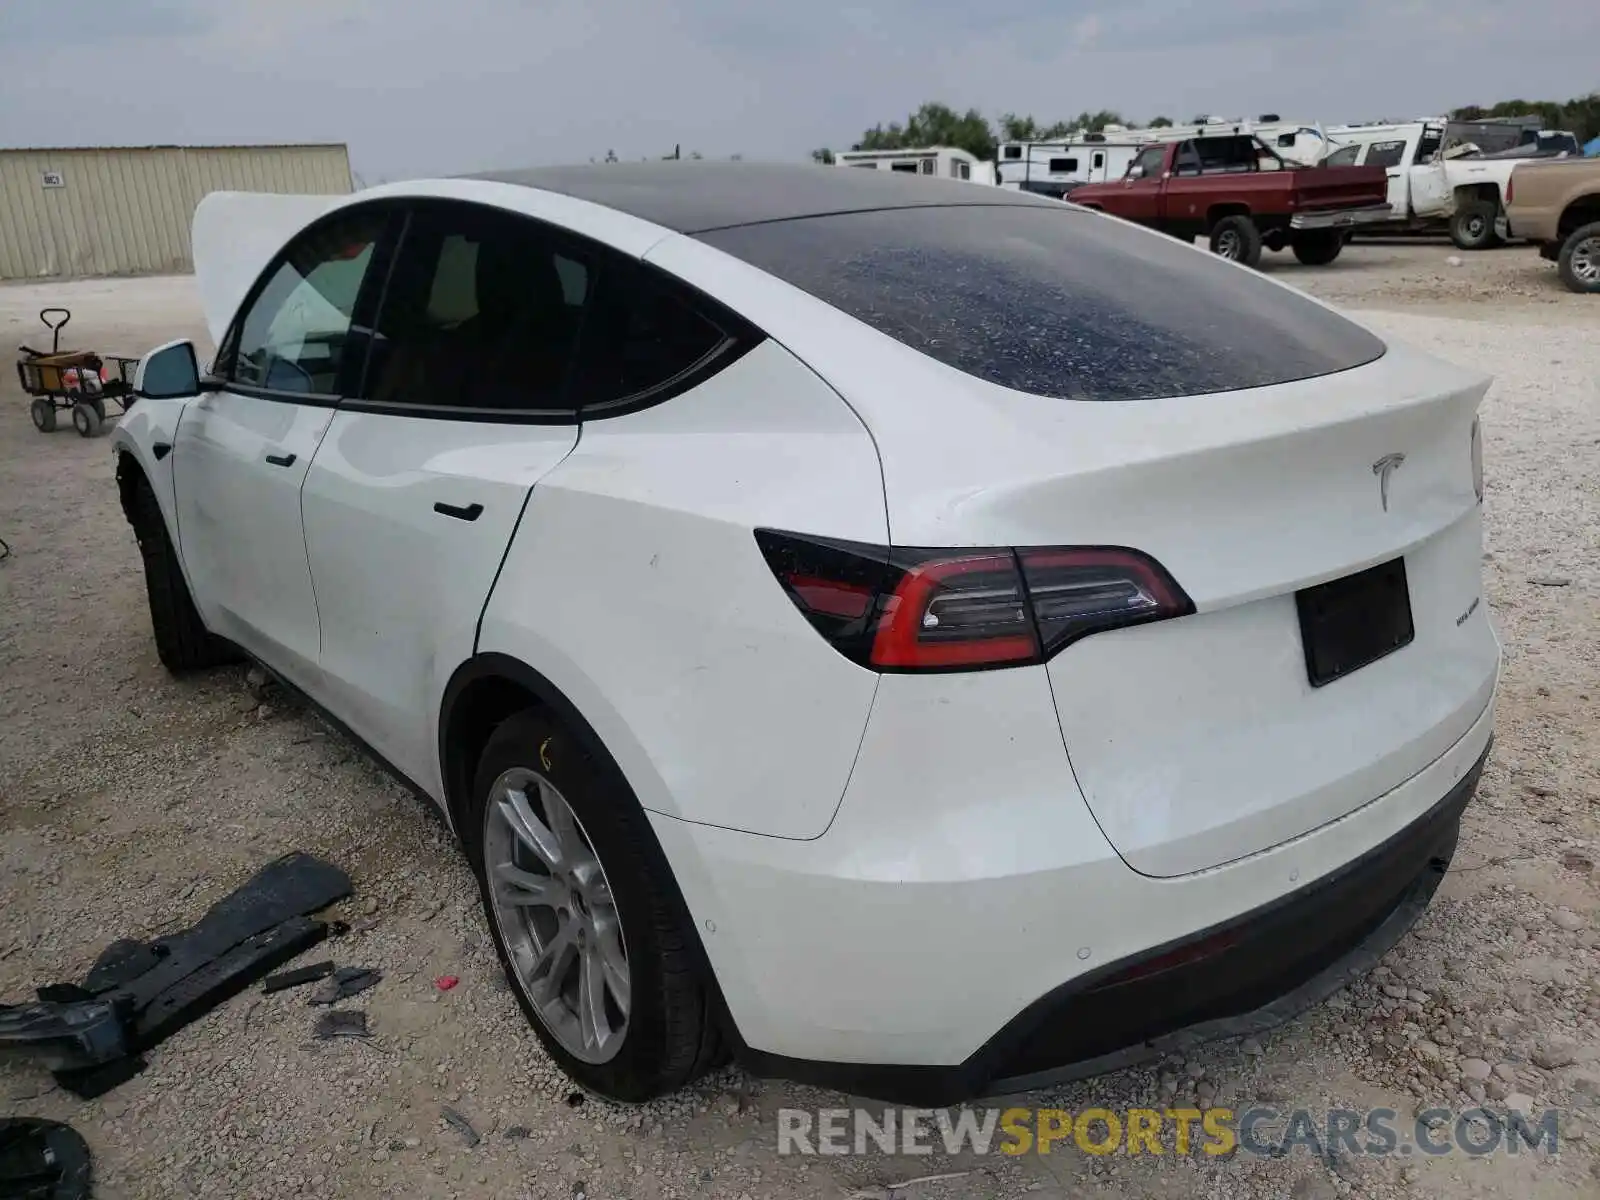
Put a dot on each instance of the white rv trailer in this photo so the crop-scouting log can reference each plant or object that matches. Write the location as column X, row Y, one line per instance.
column 1055, row 168
column 938, row 162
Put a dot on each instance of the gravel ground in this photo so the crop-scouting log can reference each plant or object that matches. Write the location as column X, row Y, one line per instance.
column 129, row 802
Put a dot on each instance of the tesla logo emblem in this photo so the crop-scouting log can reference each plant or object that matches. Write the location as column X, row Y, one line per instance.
column 1383, row 468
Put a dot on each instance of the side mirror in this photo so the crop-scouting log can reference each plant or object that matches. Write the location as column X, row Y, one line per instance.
column 1135, row 172
column 168, row 372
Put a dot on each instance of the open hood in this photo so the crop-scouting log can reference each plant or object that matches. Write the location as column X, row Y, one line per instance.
column 235, row 235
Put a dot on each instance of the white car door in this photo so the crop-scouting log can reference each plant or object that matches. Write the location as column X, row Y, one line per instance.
column 418, row 486
column 243, row 448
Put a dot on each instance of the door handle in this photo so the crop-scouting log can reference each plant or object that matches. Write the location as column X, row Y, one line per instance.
column 470, row 513
column 281, row 460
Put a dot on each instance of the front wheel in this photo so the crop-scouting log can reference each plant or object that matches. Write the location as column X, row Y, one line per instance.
column 43, row 414
column 1320, row 248
column 182, row 641
column 583, row 912
column 1237, row 239
column 1472, row 226
column 1579, row 259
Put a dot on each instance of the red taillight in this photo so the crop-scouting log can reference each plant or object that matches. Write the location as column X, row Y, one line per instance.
column 956, row 612
column 1511, row 186
column 898, row 609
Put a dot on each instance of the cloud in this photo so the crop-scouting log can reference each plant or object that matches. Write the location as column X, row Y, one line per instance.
column 462, row 85
column 71, row 23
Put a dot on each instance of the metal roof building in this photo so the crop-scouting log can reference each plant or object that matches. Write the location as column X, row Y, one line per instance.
column 125, row 210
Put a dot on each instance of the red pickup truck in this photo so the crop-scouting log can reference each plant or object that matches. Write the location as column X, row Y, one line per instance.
column 1236, row 191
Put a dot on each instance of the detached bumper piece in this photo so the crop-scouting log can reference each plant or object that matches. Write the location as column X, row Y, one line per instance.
column 1342, row 218
column 1241, row 977
column 139, row 993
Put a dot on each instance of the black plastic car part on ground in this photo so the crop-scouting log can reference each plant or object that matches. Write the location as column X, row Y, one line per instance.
column 139, row 993
column 1244, row 976
column 43, row 1160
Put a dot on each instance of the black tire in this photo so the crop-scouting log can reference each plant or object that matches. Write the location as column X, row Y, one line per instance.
column 43, row 414
column 1472, row 226
column 672, row 1035
column 1237, row 239
column 182, row 641
column 1320, row 248
column 1579, row 259
column 86, row 419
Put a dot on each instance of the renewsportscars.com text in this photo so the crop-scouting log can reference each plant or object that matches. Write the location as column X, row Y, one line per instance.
column 1263, row 1131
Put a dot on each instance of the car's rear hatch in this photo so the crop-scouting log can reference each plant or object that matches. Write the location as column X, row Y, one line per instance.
column 1311, row 456
column 1317, row 188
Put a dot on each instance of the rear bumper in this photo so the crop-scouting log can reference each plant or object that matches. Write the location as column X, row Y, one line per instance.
column 1342, row 218
column 1242, row 976
column 965, row 897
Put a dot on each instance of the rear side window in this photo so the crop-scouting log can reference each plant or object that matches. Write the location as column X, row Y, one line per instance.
column 641, row 336
column 1056, row 302
column 482, row 314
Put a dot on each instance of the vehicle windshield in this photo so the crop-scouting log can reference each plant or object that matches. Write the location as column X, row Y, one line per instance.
column 1056, row 301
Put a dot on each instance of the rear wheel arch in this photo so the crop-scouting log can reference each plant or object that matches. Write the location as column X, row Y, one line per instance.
column 1218, row 212
column 1585, row 210
column 486, row 691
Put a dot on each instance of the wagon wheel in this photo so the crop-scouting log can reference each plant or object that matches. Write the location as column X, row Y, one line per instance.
column 44, row 415
column 86, row 418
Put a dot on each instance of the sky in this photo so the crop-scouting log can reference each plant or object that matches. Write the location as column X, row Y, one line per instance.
column 452, row 86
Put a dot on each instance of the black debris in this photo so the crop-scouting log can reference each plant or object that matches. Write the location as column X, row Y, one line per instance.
column 61, row 1035
column 575, row 1099
column 151, row 989
column 344, row 983
column 43, row 1160
column 461, row 1125
column 341, row 1023
column 517, row 1132
column 289, row 979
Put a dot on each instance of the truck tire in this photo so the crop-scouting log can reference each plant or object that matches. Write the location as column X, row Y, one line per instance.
column 1579, row 260
column 1318, row 249
column 1472, row 226
column 1237, row 239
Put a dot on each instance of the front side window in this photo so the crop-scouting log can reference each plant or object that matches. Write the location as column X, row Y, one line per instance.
column 293, row 335
column 1386, row 154
column 1148, row 164
column 1345, row 157
column 481, row 314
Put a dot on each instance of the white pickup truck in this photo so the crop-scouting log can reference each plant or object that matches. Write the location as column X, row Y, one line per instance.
column 1426, row 187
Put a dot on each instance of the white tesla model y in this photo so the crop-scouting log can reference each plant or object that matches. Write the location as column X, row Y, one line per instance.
column 919, row 637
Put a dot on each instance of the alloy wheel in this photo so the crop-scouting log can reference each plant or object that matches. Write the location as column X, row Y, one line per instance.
column 556, row 915
column 1586, row 261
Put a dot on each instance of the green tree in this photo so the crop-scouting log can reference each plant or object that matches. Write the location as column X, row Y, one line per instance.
column 933, row 124
column 1094, row 122
column 1161, row 123
column 823, row 157
column 1581, row 114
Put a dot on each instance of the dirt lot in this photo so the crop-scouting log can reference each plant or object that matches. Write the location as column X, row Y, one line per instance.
column 129, row 801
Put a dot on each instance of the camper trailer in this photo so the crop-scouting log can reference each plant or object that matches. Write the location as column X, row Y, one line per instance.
column 937, row 162
column 1056, row 168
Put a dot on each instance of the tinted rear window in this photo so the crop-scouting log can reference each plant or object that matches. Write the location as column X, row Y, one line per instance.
column 1056, row 302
